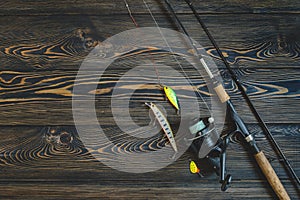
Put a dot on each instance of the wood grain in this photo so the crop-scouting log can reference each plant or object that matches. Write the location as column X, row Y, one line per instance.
column 150, row 191
column 106, row 7
column 49, row 144
column 46, row 160
column 25, row 96
column 258, row 42
column 42, row 45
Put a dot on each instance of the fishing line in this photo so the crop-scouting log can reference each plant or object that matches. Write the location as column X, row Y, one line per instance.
column 137, row 26
column 130, row 14
column 175, row 58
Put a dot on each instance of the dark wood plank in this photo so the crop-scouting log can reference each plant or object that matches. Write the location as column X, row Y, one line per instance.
column 39, row 160
column 242, row 190
column 42, row 45
column 54, row 42
column 106, row 7
column 26, row 96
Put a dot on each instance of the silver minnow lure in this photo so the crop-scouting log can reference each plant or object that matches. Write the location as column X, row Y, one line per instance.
column 163, row 123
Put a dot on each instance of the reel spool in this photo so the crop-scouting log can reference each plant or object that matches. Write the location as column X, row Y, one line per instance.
column 205, row 136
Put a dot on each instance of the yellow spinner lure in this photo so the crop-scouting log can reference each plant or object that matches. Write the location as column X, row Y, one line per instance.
column 171, row 96
column 194, row 168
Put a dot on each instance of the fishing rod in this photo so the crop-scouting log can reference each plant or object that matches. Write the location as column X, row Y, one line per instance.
column 241, row 128
column 245, row 95
column 261, row 159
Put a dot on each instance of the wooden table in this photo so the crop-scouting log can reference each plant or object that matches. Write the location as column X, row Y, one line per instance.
column 43, row 44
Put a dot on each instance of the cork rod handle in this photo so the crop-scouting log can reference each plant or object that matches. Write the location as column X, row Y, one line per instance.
column 271, row 176
column 222, row 94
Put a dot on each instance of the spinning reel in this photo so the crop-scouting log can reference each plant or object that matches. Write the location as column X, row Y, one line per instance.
column 210, row 149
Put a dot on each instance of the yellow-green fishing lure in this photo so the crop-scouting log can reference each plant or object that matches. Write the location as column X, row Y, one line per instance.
column 171, row 96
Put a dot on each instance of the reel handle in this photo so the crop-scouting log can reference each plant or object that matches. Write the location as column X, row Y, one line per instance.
column 271, row 176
